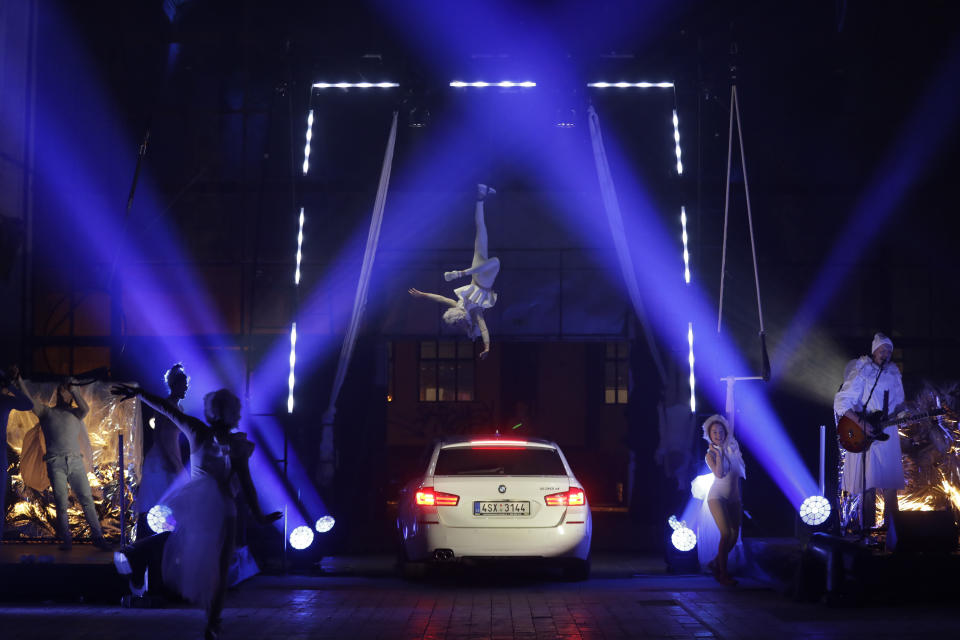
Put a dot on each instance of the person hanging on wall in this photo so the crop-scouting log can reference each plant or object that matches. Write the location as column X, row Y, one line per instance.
column 466, row 312
column 11, row 399
column 867, row 380
column 163, row 463
column 196, row 554
column 723, row 498
column 68, row 455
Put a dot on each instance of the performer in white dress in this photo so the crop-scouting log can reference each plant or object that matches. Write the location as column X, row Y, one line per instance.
column 723, row 498
column 163, row 463
column 867, row 379
column 196, row 554
column 466, row 312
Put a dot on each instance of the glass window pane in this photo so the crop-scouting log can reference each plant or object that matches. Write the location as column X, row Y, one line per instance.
column 465, row 381
column 623, row 350
column 621, row 396
column 447, row 381
column 428, row 382
column 464, row 350
column 611, row 350
column 447, row 349
column 428, row 350
column 610, row 374
column 610, row 396
column 622, row 373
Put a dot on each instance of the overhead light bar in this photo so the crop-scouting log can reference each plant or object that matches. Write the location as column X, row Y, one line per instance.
column 631, row 85
column 505, row 83
column 306, row 147
column 355, row 85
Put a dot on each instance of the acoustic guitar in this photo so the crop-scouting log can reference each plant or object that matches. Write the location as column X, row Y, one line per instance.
column 855, row 440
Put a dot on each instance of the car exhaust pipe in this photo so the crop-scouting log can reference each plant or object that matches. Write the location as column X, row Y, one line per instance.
column 443, row 555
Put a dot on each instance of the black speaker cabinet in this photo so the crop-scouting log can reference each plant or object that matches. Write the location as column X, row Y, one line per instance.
column 922, row 531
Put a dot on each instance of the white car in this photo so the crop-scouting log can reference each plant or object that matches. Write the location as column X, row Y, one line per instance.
column 492, row 497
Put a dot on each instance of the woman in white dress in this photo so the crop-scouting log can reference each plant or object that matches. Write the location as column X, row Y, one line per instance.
column 196, row 554
column 466, row 312
column 723, row 499
column 162, row 464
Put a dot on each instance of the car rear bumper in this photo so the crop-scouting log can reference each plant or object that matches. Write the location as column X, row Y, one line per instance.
column 563, row 541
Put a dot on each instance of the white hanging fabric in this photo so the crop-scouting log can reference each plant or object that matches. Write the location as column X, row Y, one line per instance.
column 359, row 304
column 611, row 205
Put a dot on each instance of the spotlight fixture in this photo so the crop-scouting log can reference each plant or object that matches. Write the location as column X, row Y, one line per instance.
column 355, row 85
column 676, row 140
column 815, row 510
column 301, row 537
column 306, row 147
column 160, row 518
column 690, row 361
column 325, row 524
column 683, row 537
column 631, row 85
column 418, row 117
column 506, row 84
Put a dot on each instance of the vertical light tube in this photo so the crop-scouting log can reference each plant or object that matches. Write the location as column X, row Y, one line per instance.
column 686, row 252
column 293, row 361
column 296, row 274
column 291, row 380
column 676, row 140
column 693, row 395
column 306, row 146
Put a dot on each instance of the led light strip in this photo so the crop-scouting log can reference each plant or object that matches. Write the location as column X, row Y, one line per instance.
column 296, row 273
column 676, row 140
column 355, row 85
column 686, row 253
column 293, row 361
column 693, row 396
column 631, row 85
column 505, row 83
column 306, row 146
column 291, row 380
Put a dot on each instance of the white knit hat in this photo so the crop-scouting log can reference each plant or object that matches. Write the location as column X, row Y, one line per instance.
column 880, row 340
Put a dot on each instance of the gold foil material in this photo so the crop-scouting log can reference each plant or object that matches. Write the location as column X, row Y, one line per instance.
column 32, row 514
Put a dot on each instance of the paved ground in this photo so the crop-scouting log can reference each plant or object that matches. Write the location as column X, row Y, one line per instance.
column 631, row 598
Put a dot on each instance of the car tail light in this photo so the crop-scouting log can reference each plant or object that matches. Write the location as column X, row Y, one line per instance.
column 575, row 497
column 427, row 497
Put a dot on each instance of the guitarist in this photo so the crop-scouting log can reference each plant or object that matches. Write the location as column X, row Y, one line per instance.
column 868, row 381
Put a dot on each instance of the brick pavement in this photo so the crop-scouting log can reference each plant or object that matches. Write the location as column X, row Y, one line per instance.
column 465, row 606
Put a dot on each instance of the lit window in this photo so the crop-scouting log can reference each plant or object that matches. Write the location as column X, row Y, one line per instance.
column 446, row 371
column 616, row 373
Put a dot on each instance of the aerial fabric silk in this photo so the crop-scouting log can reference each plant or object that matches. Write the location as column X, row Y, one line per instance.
column 359, row 304
column 611, row 205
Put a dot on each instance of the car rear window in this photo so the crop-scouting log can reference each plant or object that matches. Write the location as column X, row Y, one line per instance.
column 496, row 461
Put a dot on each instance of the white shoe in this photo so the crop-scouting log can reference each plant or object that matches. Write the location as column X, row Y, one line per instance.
column 449, row 276
column 121, row 563
column 483, row 191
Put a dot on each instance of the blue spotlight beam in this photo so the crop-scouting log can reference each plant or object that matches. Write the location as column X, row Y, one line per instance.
column 924, row 133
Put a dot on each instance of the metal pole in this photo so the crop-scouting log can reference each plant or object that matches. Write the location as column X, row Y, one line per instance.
column 823, row 457
column 123, row 492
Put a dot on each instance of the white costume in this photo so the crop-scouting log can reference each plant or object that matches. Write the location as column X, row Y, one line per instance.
column 709, row 487
column 884, row 464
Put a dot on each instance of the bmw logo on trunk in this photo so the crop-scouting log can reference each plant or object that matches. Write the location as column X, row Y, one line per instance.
column 502, row 488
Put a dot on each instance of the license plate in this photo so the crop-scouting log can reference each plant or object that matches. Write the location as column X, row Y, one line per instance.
column 501, row 508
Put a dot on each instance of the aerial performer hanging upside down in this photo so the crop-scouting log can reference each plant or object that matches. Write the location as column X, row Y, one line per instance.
column 466, row 312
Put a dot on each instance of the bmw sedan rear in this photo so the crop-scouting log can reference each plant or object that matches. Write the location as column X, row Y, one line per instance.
column 496, row 498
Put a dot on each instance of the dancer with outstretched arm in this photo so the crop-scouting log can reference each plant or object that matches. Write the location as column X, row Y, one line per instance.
column 466, row 312
column 196, row 554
